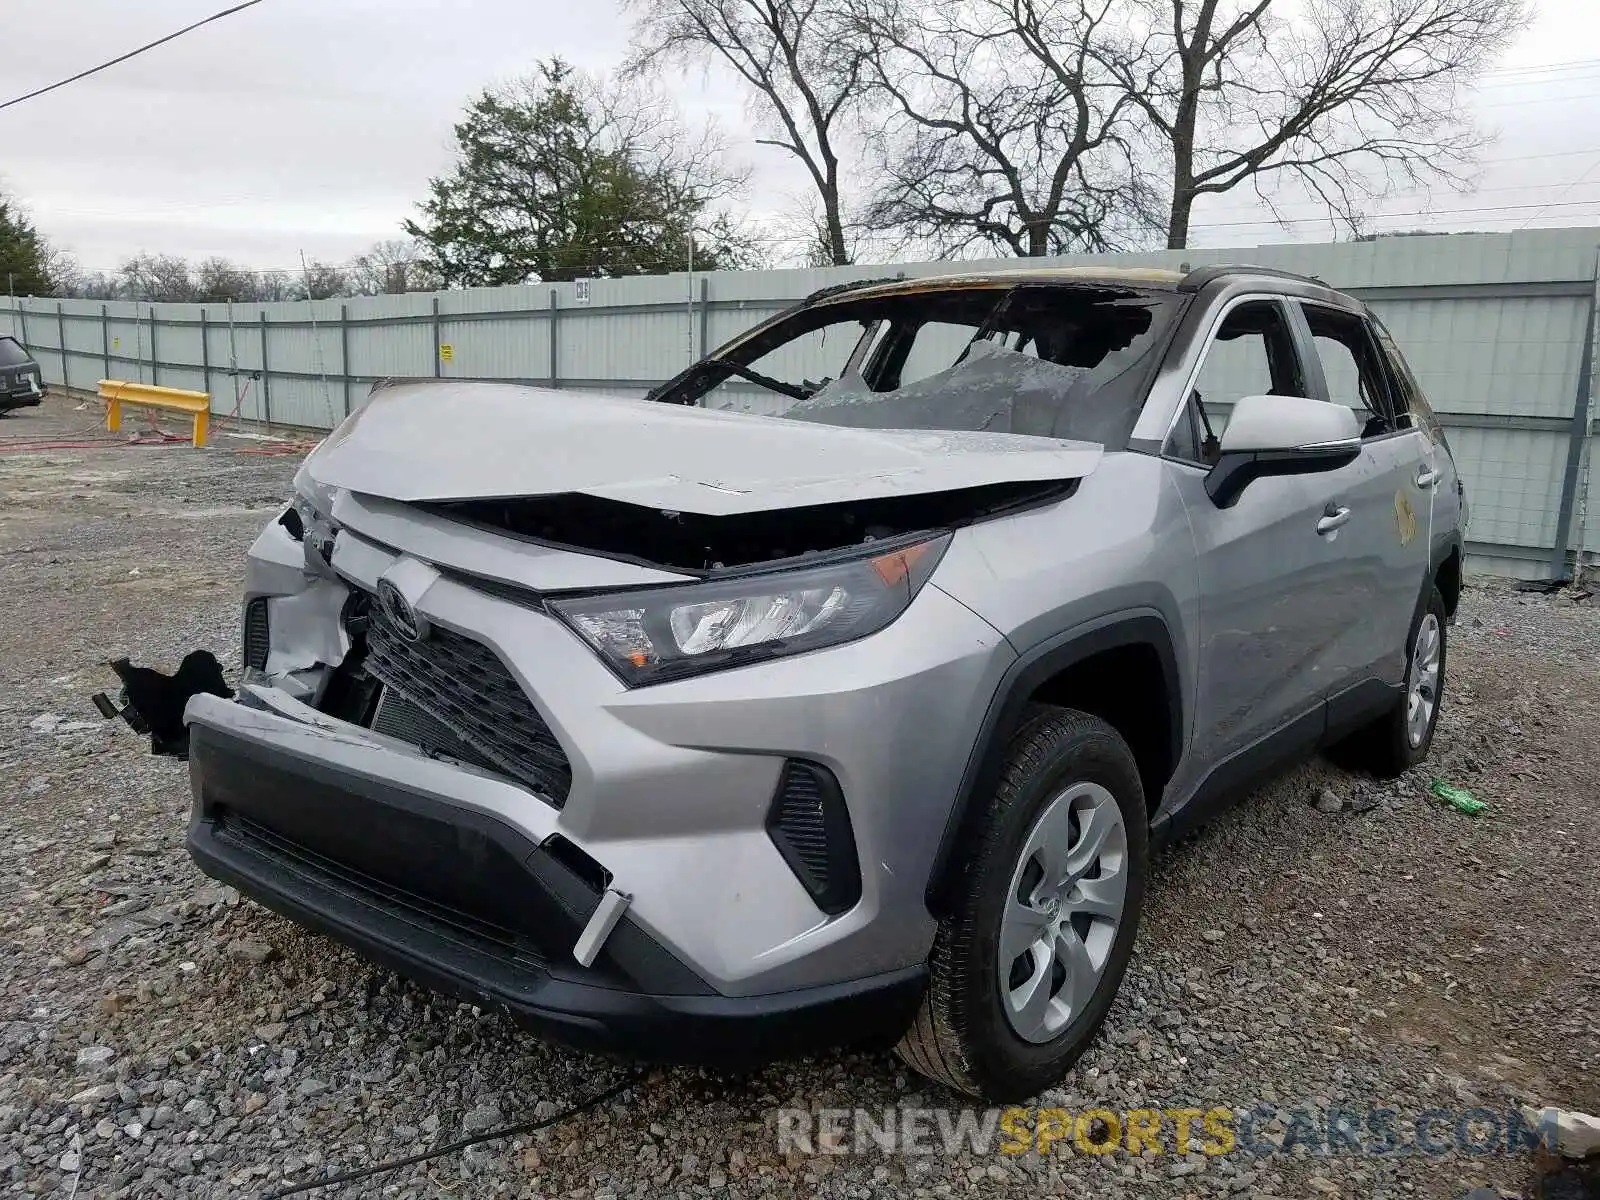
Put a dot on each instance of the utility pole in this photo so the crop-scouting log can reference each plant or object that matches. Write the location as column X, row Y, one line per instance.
column 316, row 339
column 691, row 294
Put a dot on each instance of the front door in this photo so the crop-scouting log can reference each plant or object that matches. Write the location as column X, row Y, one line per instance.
column 1276, row 589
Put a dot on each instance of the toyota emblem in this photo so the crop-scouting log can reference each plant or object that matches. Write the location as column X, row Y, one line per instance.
column 398, row 611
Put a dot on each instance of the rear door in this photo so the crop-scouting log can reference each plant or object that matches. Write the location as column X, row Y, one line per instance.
column 1438, row 475
column 1387, row 497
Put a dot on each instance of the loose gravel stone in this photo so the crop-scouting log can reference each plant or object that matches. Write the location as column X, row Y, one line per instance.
column 95, row 1058
column 250, row 951
column 1413, row 958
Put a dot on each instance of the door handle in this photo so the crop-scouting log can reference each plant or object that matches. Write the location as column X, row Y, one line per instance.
column 1333, row 518
column 1428, row 476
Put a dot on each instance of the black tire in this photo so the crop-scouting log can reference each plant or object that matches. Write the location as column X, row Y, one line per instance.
column 962, row 1037
column 1385, row 748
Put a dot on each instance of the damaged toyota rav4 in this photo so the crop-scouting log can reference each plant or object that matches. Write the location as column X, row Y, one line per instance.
column 698, row 733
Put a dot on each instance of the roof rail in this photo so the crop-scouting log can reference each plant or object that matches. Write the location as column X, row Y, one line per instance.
column 834, row 289
column 1201, row 276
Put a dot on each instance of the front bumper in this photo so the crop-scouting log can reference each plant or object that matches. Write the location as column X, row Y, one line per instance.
column 671, row 785
column 470, row 905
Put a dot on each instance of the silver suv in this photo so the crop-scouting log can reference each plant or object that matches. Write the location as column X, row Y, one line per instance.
column 719, row 735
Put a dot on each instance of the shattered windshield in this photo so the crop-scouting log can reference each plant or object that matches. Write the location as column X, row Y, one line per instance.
column 1045, row 360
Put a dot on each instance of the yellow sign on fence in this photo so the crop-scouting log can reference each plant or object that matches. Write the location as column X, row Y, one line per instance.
column 447, row 352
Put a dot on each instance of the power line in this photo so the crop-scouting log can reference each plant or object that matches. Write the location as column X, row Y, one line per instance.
column 1491, row 162
column 1544, row 81
column 1562, row 194
column 1534, row 76
column 1312, row 213
column 1537, row 100
column 122, row 58
column 1545, row 68
column 1496, row 213
column 214, row 202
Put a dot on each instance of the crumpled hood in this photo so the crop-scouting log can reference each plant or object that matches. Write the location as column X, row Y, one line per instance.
column 466, row 440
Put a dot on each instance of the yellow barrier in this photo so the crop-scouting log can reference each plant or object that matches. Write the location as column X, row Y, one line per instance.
column 117, row 392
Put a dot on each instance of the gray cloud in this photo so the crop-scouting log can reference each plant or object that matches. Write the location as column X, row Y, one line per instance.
column 310, row 125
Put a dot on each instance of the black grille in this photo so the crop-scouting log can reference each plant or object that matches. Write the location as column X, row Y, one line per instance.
column 467, row 928
column 810, row 825
column 399, row 718
column 257, row 638
column 463, row 686
column 802, row 820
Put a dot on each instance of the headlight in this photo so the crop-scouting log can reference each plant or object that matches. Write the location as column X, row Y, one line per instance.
column 308, row 516
column 313, row 493
column 665, row 633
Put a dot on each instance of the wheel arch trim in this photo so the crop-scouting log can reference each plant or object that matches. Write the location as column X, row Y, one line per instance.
column 1439, row 555
column 1130, row 627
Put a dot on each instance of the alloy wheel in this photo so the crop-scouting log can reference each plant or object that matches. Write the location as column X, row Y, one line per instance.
column 1422, row 696
column 1062, row 911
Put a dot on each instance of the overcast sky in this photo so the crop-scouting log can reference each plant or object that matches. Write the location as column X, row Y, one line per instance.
column 314, row 125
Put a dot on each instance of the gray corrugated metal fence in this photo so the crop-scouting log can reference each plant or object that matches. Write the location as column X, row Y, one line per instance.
column 1500, row 328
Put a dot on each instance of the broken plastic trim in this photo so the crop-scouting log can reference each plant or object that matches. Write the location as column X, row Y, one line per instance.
column 291, row 520
column 153, row 703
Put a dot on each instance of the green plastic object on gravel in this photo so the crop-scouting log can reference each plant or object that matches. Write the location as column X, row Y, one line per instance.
column 1458, row 798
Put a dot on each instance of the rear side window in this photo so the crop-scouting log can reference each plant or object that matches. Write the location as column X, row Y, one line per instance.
column 12, row 354
column 1351, row 367
column 1411, row 405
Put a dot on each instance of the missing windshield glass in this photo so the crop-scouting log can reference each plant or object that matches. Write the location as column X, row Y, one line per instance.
column 1043, row 359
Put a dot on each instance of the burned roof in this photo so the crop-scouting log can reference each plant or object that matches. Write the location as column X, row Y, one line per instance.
column 1145, row 278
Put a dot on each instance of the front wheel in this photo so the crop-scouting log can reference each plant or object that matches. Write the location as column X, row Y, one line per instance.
column 1026, row 964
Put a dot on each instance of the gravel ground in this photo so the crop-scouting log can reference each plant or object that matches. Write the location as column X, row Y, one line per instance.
column 159, row 1036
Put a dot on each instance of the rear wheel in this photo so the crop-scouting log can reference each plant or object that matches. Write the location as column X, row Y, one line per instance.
column 1026, row 964
column 1401, row 738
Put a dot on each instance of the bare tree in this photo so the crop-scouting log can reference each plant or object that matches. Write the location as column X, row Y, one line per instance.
column 1006, row 129
column 276, row 285
column 157, row 277
column 321, row 281
column 1351, row 98
column 799, row 234
column 804, row 70
column 67, row 278
column 689, row 167
column 219, row 281
column 392, row 268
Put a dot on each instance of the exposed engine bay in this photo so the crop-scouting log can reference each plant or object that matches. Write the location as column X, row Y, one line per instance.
column 700, row 543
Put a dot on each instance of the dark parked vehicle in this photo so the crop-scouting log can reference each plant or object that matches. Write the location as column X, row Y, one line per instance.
column 21, row 380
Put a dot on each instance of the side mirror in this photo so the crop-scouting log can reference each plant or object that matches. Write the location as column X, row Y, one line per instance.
column 1281, row 435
